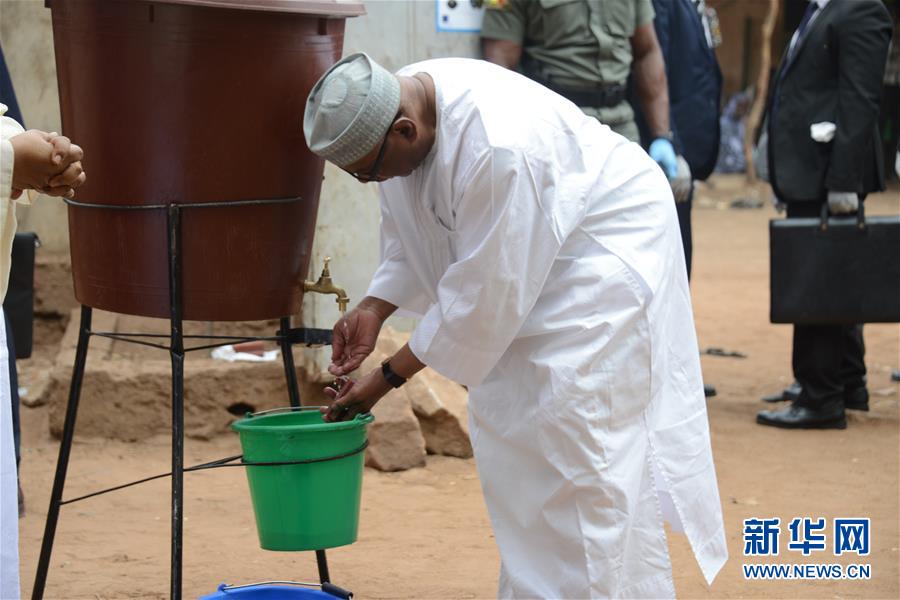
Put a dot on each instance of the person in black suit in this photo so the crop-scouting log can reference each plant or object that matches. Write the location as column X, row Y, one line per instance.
column 824, row 147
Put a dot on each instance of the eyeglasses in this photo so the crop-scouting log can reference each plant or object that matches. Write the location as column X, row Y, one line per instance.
column 372, row 174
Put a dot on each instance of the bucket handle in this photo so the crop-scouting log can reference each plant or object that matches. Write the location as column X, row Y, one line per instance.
column 289, row 409
column 282, row 463
column 328, row 588
column 282, row 409
column 228, row 461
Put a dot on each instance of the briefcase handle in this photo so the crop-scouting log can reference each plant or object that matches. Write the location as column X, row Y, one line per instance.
column 860, row 217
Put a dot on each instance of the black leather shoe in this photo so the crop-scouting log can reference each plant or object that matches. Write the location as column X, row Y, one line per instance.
column 800, row 417
column 709, row 390
column 788, row 394
column 857, row 399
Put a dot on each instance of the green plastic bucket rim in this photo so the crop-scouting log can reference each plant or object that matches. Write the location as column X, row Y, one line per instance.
column 244, row 425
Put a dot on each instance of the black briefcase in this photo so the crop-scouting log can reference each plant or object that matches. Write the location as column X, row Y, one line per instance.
column 19, row 302
column 835, row 270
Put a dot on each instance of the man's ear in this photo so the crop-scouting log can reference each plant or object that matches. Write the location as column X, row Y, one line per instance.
column 407, row 128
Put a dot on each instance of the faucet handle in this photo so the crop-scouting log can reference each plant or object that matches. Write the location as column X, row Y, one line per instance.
column 326, row 272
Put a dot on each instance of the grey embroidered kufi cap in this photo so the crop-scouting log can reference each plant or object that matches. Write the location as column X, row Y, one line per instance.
column 350, row 109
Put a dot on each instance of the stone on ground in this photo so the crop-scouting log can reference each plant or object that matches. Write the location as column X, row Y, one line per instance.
column 441, row 406
column 438, row 403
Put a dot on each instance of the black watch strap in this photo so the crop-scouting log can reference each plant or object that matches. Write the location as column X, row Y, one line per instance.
column 389, row 375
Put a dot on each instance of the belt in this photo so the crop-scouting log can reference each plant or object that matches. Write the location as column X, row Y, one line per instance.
column 601, row 96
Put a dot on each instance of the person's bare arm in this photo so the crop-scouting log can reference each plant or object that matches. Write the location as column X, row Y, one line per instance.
column 405, row 364
column 649, row 72
column 502, row 52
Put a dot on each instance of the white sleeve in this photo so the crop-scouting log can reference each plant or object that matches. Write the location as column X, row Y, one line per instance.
column 7, row 159
column 8, row 128
column 508, row 240
column 394, row 281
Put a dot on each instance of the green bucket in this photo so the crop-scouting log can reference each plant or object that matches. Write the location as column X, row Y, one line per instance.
column 312, row 503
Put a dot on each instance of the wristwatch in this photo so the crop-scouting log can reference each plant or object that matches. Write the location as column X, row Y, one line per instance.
column 389, row 375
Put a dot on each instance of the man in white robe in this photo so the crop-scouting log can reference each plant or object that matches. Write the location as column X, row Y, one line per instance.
column 542, row 252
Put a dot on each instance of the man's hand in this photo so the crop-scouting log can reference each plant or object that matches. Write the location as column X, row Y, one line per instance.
column 662, row 151
column 355, row 397
column 67, row 156
column 842, row 203
column 354, row 336
column 46, row 162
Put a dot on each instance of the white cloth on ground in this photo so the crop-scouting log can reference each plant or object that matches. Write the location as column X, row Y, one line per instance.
column 544, row 254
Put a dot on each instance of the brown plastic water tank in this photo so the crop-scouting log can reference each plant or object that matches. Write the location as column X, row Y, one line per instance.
column 194, row 101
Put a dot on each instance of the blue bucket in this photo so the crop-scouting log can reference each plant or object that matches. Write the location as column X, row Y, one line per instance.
column 274, row 590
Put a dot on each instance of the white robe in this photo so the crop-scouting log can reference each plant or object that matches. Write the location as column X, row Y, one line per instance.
column 9, row 490
column 9, row 500
column 544, row 254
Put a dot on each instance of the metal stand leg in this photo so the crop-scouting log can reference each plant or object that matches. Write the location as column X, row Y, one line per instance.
column 322, row 562
column 177, row 353
column 287, row 357
column 290, row 374
column 62, row 463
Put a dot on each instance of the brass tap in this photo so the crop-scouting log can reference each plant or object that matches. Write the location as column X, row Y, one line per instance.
column 326, row 286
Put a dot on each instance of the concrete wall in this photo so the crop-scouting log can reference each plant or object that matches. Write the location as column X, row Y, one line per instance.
column 395, row 33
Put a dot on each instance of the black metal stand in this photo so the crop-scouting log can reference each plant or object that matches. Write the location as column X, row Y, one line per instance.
column 62, row 463
column 286, row 338
column 176, row 351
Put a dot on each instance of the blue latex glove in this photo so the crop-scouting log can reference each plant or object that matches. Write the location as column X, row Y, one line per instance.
column 663, row 153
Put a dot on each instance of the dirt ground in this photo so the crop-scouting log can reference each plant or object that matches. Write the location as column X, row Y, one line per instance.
column 425, row 533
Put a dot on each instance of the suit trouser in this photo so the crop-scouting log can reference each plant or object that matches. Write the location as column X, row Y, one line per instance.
column 684, row 224
column 827, row 359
